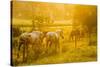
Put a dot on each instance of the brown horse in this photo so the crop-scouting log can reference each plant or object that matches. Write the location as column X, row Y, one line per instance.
column 75, row 34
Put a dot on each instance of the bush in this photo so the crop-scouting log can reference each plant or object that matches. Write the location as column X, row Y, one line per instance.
column 16, row 31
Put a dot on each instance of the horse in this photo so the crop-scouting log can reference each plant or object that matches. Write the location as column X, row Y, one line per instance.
column 74, row 35
column 33, row 38
column 52, row 39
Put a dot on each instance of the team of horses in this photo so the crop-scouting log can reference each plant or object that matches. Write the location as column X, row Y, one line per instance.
column 38, row 39
column 44, row 40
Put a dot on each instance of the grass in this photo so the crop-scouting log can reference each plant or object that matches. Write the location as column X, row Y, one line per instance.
column 82, row 53
column 70, row 54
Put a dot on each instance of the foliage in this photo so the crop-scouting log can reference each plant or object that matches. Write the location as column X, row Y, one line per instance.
column 16, row 31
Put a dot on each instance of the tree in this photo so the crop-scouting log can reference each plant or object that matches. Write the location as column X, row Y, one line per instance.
column 87, row 15
column 91, row 22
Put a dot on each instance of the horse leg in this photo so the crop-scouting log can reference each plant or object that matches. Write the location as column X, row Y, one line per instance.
column 48, row 44
column 24, row 52
column 58, row 47
column 20, row 44
column 72, row 37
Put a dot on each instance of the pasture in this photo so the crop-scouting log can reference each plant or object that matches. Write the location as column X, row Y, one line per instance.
column 72, row 50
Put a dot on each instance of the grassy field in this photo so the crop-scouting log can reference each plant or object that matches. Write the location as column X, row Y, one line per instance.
column 81, row 53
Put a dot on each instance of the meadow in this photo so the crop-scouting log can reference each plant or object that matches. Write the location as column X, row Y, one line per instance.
column 72, row 51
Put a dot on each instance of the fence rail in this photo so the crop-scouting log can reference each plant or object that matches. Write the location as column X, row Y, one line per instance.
column 49, row 25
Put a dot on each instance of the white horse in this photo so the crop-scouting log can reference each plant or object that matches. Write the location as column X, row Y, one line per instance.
column 24, row 41
column 34, row 38
column 52, row 39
